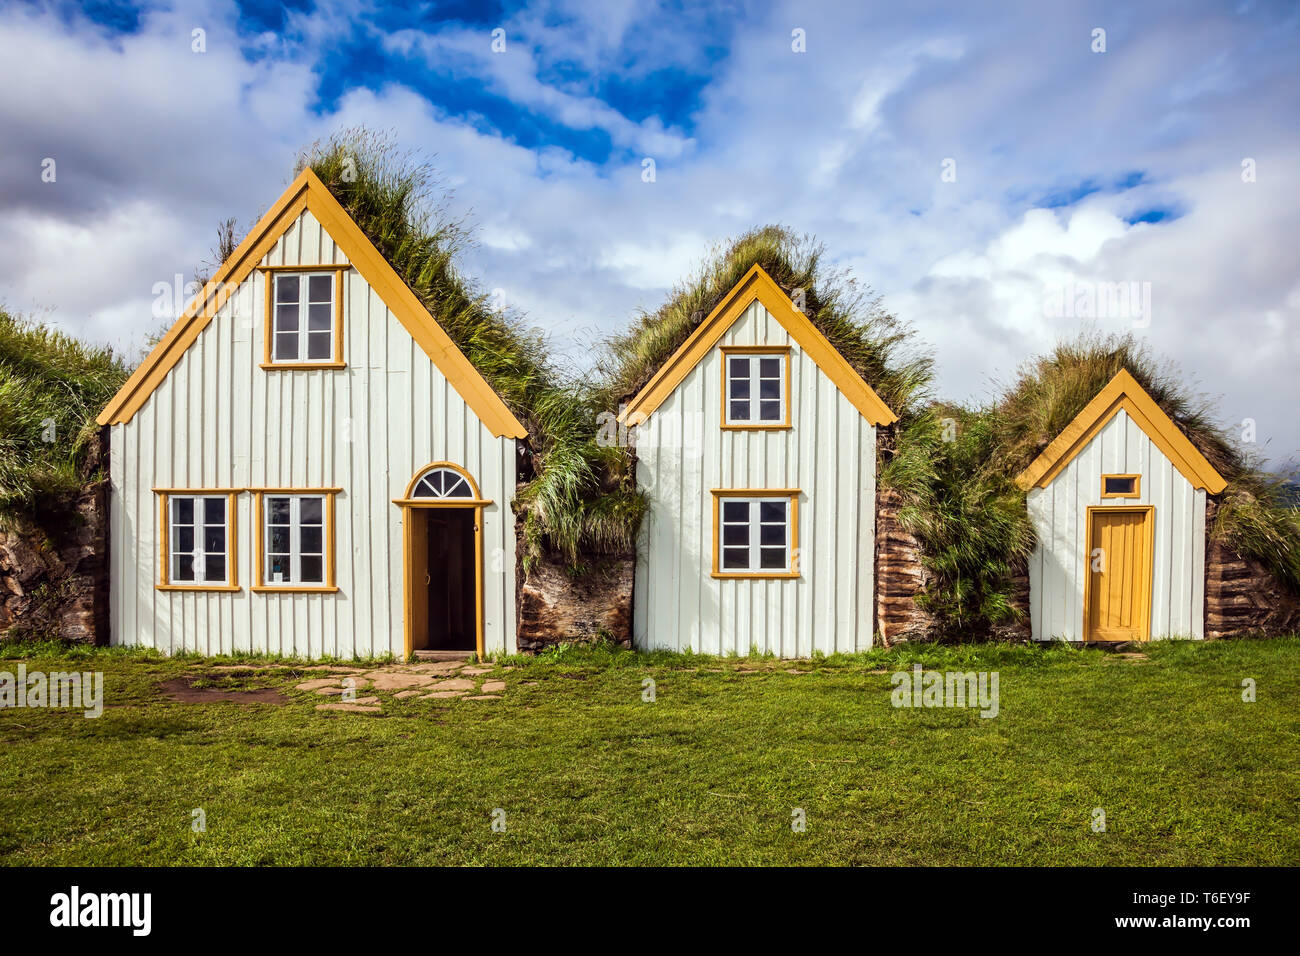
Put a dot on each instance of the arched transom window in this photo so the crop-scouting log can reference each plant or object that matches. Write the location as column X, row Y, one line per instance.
column 442, row 482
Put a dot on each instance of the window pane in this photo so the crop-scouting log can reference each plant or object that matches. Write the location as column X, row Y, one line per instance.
column 735, row 558
column 279, row 570
column 278, row 540
column 769, row 368
column 311, row 511
column 770, row 411
column 214, row 569
column 769, row 388
column 457, row 487
column 184, row 510
column 1119, row 486
column 318, row 345
column 183, row 569
column 214, row 540
column 311, row 540
column 739, row 368
column 277, row 510
column 214, row 511
column 737, row 534
column 320, row 288
column 740, row 411
column 286, row 288
column 319, row 318
column 773, row 558
column 312, row 572
column 740, row 388
column 772, row 534
column 185, row 540
column 735, row 511
column 772, row 511
column 286, row 346
column 286, row 318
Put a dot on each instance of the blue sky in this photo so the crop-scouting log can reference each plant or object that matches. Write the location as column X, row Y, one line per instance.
column 967, row 162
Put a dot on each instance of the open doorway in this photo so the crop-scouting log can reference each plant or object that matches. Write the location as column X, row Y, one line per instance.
column 443, row 605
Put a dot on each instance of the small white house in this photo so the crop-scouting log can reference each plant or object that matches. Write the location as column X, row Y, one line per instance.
column 306, row 464
column 756, row 446
column 1118, row 503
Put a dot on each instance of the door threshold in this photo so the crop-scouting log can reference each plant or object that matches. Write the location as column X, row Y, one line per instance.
column 442, row 655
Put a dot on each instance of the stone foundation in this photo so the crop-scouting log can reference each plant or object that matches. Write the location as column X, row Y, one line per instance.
column 555, row 608
column 1241, row 595
column 900, row 576
column 54, row 569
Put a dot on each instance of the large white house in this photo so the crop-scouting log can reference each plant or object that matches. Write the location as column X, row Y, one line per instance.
column 1118, row 504
column 306, row 464
column 756, row 446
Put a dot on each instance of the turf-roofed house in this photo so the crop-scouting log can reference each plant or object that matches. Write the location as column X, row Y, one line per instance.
column 756, row 449
column 308, row 464
column 1118, row 502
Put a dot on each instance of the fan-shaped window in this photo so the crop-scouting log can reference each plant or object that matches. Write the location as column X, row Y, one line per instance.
column 442, row 483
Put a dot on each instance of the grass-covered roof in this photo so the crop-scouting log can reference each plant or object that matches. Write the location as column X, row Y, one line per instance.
column 878, row 346
column 51, row 388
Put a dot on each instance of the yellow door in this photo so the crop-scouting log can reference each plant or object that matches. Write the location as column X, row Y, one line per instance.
column 1118, row 602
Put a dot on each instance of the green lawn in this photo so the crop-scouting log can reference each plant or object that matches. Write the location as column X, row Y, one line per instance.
column 709, row 773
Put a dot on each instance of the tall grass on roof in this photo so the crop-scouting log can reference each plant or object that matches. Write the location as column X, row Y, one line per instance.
column 1255, row 518
column 51, row 388
column 967, row 514
column 879, row 346
column 581, row 498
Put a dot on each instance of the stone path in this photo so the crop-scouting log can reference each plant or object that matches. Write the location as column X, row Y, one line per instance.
column 418, row 680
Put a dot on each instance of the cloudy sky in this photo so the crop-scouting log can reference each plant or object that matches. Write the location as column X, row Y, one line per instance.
column 992, row 170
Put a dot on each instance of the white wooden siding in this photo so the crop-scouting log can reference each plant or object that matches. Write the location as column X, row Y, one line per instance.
column 830, row 454
column 1058, row 566
column 218, row 420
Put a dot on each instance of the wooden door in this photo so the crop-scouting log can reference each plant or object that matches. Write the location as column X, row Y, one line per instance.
column 1118, row 603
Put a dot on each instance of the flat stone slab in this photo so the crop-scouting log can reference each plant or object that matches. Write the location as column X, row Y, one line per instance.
column 484, row 697
column 476, row 670
column 351, row 708
column 455, row 683
column 437, row 694
column 439, row 667
column 402, row 695
column 396, row 680
column 493, row 686
column 318, row 683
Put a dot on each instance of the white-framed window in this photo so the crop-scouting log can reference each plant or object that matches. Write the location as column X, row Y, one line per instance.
column 442, row 483
column 756, row 534
column 756, row 388
column 295, row 540
column 198, row 535
column 303, row 314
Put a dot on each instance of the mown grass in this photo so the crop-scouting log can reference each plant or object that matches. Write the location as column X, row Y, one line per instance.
column 709, row 773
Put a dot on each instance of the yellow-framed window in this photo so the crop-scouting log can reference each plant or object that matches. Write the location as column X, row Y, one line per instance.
column 304, row 317
column 198, row 538
column 295, row 539
column 756, row 532
column 1121, row 486
column 756, row 386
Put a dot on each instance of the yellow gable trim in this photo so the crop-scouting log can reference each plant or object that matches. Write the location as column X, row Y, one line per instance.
column 1123, row 392
column 308, row 193
column 757, row 284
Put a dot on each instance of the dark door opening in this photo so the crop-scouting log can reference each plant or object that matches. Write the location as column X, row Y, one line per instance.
column 444, row 602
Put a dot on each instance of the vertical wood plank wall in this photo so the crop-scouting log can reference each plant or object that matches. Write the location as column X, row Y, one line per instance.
column 218, row 420
column 1058, row 565
column 830, row 454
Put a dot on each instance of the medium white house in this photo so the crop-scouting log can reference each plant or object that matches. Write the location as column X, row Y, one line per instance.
column 1118, row 503
column 756, row 446
column 306, row 464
